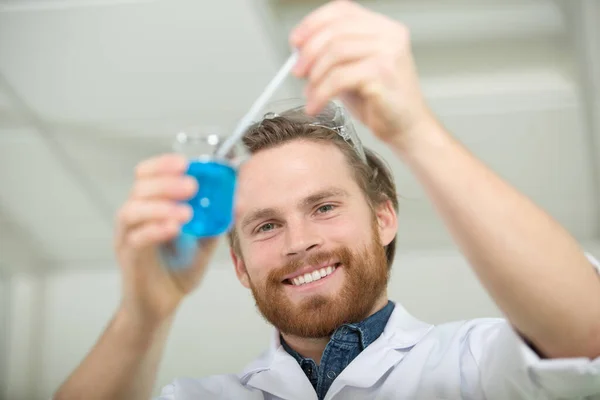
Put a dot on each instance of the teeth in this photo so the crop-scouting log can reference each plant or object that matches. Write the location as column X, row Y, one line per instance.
column 313, row 276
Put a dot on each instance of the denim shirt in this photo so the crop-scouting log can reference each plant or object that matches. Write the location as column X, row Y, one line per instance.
column 344, row 345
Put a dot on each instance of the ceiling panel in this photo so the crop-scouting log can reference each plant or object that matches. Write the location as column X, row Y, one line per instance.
column 109, row 160
column 440, row 21
column 38, row 5
column 163, row 59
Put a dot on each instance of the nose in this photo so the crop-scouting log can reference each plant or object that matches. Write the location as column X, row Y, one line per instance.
column 301, row 238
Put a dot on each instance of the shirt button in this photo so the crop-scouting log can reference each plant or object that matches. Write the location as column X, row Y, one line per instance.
column 331, row 375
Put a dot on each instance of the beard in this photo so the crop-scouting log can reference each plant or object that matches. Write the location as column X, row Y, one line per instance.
column 366, row 277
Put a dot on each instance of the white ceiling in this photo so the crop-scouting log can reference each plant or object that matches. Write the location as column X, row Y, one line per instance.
column 89, row 88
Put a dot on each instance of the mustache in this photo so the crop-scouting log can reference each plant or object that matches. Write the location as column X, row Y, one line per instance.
column 342, row 255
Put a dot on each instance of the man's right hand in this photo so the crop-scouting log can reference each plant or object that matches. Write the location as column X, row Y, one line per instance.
column 125, row 359
column 152, row 216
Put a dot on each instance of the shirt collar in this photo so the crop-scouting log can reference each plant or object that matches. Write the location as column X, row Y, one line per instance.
column 371, row 327
column 361, row 333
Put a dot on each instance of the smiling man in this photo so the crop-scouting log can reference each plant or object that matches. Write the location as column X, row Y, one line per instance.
column 314, row 241
column 313, row 232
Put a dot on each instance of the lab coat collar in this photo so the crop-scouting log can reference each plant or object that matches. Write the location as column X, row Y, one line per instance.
column 278, row 373
column 402, row 332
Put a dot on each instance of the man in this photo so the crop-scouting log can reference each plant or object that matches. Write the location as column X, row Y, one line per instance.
column 314, row 241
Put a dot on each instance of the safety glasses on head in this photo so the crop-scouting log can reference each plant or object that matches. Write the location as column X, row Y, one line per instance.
column 333, row 117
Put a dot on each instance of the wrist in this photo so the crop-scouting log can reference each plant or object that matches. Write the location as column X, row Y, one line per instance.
column 424, row 134
column 140, row 329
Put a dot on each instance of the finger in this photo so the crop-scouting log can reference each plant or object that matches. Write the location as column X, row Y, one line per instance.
column 163, row 164
column 343, row 78
column 172, row 188
column 137, row 212
column 149, row 235
column 319, row 18
column 339, row 53
column 322, row 41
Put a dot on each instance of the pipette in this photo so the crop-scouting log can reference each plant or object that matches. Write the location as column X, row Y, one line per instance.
column 260, row 102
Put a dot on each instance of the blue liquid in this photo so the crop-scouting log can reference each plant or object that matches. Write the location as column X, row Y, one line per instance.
column 213, row 204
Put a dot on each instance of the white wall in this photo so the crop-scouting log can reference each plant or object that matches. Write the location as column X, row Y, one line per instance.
column 4, row 295
column 22, row 343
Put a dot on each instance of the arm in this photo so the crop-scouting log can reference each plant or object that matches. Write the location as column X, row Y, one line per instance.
column 530, row 265
column 124, row 361
column 533, row 269
column 122, row 365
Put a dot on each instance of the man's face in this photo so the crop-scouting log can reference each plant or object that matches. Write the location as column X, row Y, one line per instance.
column 312, row 250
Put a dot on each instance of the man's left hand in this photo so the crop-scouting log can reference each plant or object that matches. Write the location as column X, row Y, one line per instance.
column 365, row 59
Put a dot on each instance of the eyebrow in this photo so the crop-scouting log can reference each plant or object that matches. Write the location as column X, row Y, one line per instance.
column 268, row 213
column 263, row 213
column 322, row 195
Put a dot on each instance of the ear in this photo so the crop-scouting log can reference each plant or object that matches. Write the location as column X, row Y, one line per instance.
column 240, row 268
column 387, row 222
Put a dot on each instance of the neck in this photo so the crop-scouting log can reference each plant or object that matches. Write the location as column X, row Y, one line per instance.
column 314, row 347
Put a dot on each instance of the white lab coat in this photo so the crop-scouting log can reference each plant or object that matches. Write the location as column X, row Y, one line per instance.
column 476, row 359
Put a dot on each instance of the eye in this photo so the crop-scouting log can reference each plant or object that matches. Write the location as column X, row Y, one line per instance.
column 325, row 208
column 269, row 226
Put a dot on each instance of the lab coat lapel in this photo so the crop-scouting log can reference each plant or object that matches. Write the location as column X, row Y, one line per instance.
column 401, row 333
column 278, row 373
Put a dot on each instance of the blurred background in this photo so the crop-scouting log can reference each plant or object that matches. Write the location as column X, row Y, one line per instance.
column 88, row 88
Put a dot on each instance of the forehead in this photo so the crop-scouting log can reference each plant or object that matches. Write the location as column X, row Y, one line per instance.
column 284, row 174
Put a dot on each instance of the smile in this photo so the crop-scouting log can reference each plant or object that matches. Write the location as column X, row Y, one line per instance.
column 312, row 276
